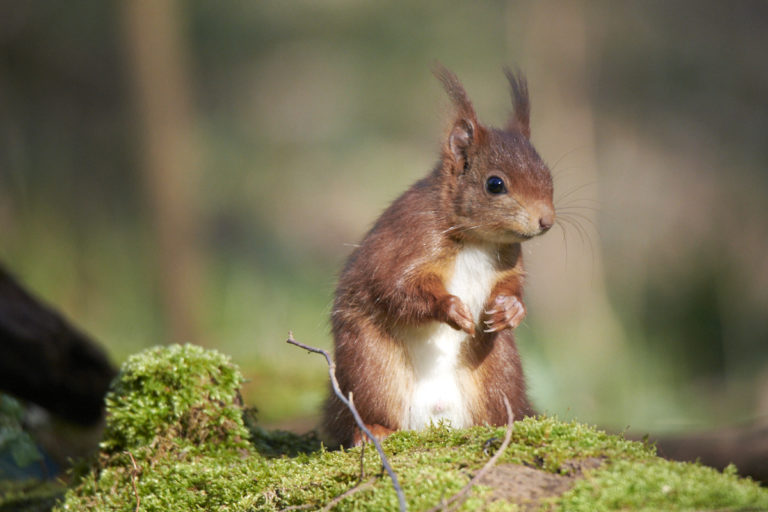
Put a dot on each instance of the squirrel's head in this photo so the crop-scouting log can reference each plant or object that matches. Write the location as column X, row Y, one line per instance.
column 499, row 188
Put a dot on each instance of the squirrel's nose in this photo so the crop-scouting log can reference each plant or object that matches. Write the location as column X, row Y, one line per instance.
column 546, row 221
column 543, row 212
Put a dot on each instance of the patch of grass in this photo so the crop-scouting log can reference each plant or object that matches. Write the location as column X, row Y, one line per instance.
column 176, row 415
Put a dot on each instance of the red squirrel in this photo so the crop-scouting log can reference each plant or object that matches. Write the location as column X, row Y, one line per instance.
column 425, row 307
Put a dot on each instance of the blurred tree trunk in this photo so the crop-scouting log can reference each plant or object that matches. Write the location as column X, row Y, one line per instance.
column 569, row 273
column 157, row 68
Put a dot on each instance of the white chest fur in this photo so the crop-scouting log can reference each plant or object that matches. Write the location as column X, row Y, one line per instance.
column 438, row 392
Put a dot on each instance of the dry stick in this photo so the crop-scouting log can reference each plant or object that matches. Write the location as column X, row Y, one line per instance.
column 362, row 448
column 357, row 488
column 362, row 461
column 356, row 415
column 488, row 465
column 134, row 474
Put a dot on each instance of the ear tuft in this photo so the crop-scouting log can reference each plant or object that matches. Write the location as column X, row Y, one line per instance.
column 455, row 91
column 465, row 126
column 520, row 120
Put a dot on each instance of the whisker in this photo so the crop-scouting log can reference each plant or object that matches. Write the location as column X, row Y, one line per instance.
column 565, row 242
column 577, row 200
column 583, row 235
column 567, row 153
column 561, row 173
column 460, row 228
column 577, row 189
column 567, row 208
column 452, row 228
column 575, row 225
column 580, row 216
column 583, row 230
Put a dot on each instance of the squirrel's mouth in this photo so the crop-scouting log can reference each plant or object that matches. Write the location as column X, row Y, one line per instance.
column 527, row 231
column 513, row 236
column 524, row 236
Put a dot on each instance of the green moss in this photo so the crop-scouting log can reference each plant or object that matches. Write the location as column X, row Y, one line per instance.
column 175, row 413
column 658, row 484
column 184, row 393
column 278, row 442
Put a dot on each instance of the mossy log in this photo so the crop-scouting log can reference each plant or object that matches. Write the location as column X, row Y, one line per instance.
column 178, row 438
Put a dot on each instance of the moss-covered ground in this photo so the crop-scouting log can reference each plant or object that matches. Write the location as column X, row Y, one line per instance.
column 178, row 439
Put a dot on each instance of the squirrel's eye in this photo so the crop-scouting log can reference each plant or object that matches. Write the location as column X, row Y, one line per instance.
column 495, row 185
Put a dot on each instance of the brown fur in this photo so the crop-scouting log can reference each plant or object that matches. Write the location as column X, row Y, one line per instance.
column 397, row 277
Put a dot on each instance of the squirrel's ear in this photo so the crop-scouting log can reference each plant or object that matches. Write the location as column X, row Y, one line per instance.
column 461, row 137
column 465, row 126
column 520, row 120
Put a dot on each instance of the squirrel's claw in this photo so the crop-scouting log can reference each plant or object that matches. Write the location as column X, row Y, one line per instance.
column 457, row 315
column 508, row 312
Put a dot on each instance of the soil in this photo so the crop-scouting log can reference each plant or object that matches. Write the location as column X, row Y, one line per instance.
column 527, row 486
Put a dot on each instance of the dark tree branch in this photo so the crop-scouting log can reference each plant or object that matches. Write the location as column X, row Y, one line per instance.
column 46, row 360
column 358, row 419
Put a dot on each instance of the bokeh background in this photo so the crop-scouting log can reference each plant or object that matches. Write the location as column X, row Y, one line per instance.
column 197, row 171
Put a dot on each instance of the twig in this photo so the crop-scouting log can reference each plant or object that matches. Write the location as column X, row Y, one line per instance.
column 357, row 488
column 362, row 461
column 356, row 415
column 487, row 467
column 362, row 448
column 134, row 474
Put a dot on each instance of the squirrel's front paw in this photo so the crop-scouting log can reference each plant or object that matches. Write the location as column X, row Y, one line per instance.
column 456, row 314
column 505, row 311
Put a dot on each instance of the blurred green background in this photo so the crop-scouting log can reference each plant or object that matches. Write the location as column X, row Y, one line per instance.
column 197, row 171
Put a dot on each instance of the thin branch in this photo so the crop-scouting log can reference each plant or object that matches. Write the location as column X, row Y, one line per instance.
column 356, row 415
column 357, row 488
column 134, row 474
column 362, row 461
column 362, row 448
column 462, row 494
